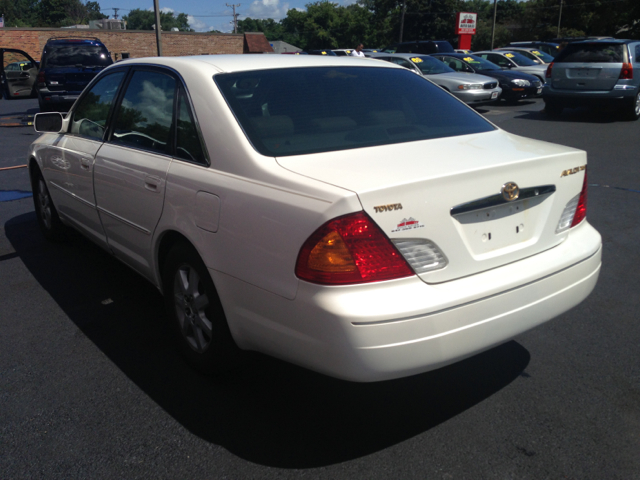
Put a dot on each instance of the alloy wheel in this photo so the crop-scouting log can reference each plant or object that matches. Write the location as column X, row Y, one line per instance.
column 192, row 306
column 44, row 202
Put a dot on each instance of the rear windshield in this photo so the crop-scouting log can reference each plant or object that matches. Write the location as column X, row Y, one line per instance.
column 72, row 55
column 592, row 53
column 320, row 109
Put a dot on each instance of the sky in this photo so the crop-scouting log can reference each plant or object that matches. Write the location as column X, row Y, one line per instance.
column 205, row 15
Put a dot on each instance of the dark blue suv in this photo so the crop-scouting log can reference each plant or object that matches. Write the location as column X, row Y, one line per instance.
column 66, row 67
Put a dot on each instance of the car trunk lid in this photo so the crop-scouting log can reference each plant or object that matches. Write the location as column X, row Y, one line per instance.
column 448, row 191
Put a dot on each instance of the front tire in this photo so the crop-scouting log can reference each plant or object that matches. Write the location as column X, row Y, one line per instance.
column 194, row 308
column 48, row 220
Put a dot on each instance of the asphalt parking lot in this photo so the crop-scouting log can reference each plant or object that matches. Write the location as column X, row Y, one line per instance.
column 91, row 387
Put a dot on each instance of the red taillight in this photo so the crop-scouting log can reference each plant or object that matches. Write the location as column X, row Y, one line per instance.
column 350, row 249
column 549, row 69
column 40, row 78
column 581, row 209
column 627, row 72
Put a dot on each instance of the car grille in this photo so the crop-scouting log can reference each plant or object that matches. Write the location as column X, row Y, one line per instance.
column 490, row 86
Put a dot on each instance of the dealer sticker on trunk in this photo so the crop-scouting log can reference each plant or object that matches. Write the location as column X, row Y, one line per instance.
column 408, row 224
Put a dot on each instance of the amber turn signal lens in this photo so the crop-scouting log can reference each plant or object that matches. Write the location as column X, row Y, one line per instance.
column 348, row 250
column 331, row 255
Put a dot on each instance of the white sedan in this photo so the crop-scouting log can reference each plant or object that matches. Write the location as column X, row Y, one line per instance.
column 342, row 214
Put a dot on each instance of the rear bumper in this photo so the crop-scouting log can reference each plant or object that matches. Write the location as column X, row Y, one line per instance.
column 57, row 97
column 404, row 327
column 620, row 95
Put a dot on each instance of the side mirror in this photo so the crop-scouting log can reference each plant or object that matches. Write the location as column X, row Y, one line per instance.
column 48, row 122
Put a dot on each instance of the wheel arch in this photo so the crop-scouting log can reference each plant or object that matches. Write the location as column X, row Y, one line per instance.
column 34, row 168
column 166, row 242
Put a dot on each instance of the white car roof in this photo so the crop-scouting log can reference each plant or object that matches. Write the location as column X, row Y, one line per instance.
column 239, row 63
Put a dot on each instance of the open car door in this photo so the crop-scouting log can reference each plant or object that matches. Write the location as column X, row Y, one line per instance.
column 18, row 73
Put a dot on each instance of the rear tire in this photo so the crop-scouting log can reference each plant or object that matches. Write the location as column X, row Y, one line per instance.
column 194, row 309
column 633, row 109
column 43, row 107
column 552, row 108
column 48, row 220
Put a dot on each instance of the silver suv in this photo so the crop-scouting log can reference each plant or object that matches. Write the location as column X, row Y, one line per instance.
column 595, row 73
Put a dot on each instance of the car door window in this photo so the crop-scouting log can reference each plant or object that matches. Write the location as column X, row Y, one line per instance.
column 403, row 63
column 455, row 64
column 188, row 145
column 90, row 116
column 498, row 60
column 145, row 115
column 16, row 62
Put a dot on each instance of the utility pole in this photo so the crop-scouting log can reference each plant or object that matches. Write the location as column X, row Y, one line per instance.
column 404, row 9
column 115, row 12
column 559, row 18
column 235, row 17
column 158, row 27
column 493, row 27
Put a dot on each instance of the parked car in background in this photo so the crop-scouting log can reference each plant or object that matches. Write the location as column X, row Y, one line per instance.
column 18, row 72
column 533, row 54
column 471, row 88
column 67, row 66
column 547, row 47
column 328, row 52
column 342, row 52
column 347, row 216
column 515, row 85
column 595, row 73
column 514, row 61
column 422, row 47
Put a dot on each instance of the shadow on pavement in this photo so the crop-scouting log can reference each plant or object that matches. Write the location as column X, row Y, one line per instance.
column 575, row 115
column 272, row 413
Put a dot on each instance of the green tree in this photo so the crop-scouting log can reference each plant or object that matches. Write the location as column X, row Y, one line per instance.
column 144, row 19
column 19, row 13
column 271, row 29
column 328, row 25
column 60, row 13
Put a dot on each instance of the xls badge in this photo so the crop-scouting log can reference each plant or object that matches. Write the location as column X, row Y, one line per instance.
column 510, row 191
column 572, row 171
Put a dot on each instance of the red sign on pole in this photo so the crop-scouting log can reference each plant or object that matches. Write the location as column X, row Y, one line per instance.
column 466, row 23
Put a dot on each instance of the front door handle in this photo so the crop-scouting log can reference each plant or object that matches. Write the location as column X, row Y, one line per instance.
column 152, row 182
column 85, row 163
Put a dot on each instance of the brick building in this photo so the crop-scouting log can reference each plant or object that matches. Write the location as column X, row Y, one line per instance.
column 139, row 43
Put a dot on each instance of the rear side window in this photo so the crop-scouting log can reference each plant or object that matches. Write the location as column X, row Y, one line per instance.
column 188, row 146
column 306, row 110
column 592, row 53
column 72, row 55
column 146, row 113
